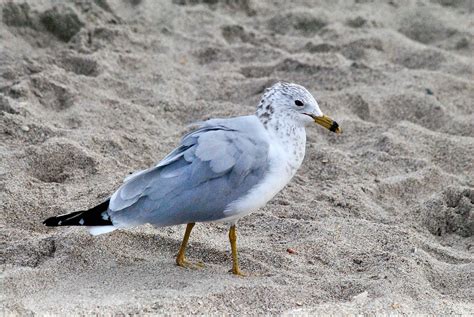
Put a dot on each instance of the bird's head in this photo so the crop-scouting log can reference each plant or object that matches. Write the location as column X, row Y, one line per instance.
column 295, row 103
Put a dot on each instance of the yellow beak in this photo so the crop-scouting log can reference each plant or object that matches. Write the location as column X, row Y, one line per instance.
column 328, row 123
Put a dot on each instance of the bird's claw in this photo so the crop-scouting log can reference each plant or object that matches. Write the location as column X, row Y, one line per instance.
column 238, row 272
column 189, row 265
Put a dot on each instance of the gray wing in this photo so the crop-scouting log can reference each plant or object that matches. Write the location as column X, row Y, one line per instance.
column 212, row 167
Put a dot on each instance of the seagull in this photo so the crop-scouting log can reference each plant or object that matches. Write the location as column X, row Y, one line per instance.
column 223, row 170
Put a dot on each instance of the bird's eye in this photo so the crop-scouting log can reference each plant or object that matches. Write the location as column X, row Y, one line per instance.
column 299, row 103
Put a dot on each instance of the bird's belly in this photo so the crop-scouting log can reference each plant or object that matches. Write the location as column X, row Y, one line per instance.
column 276, row 179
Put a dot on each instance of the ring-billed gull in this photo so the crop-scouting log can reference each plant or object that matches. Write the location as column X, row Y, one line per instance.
column 222, row 171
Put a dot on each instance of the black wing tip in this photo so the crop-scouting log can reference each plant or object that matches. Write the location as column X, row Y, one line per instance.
column 51, row 222
column 58, row 220
column 91, row 217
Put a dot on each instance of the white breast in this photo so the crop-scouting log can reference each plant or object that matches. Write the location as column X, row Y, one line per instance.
column 279, row 174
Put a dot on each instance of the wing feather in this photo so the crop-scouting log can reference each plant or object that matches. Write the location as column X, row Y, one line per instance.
column 213, row 166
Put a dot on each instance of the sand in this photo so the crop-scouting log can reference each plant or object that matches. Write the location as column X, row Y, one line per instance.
column 380, row 218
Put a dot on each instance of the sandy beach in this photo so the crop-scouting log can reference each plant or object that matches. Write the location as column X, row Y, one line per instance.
column 379, row 220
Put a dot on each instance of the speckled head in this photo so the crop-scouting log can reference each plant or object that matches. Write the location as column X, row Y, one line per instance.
column 295, row 104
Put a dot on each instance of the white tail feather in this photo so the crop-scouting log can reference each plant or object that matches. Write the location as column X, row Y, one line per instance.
column 96, row 230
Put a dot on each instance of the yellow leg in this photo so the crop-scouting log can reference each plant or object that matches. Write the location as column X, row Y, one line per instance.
column 180, row 259
column 233, row 245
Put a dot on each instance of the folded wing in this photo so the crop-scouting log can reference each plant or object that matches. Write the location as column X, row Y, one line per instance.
column 213, row 166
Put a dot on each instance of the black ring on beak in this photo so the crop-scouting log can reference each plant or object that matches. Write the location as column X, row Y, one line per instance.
column 334, row 126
